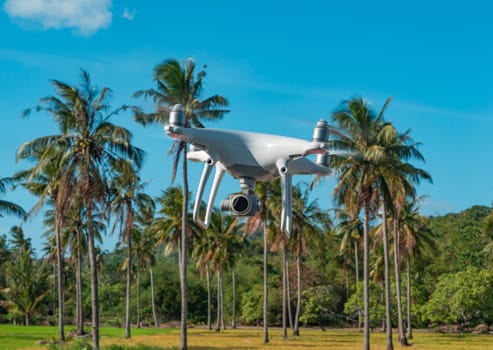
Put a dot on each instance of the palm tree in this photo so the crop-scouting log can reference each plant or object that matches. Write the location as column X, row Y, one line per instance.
column 46, row 180
column 89, row 148
column 178, row 84
column 386, row 171
column 73, row 235
column 307, row 221
column 263, row 221
column 357, row 173
column 383, row 230
column 202, row 252
column 416, row 239
column 279, row 243
column 145, row 243
column 25, row 277
column 225, row 230
column 349, row 230
column 168, row 223
column 127, row 199
column 402, row 177
column 78, row 246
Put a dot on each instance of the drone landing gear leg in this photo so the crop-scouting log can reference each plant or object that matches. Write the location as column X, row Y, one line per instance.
column 287, row 200
column 208, row 165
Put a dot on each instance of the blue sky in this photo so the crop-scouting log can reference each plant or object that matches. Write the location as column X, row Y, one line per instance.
column 282, row 65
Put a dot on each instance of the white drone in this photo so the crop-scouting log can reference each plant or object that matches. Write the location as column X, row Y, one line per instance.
column 249, row 157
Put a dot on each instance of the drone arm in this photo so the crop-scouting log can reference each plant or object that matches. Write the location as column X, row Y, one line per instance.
column 306, row 166
column 315, row 147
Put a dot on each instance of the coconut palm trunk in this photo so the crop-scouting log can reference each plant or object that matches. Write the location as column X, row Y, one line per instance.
column 233, row 306
column 356, row 270
column 408, row 297
column 218, row 303
column 288, row 291
column 128, row 287
column 137, row 282
column 366, row 278
column 78, row 285
column 397, row 269
column 284, row 292
column 59, row 258
column 219, row 320
column 92, row 263
column 388, row 311
column 296, row 330
column 209, row 296
column 184, row 249
column 266, row 287
column 153, row 298
column 222, row 298
column 94, row 286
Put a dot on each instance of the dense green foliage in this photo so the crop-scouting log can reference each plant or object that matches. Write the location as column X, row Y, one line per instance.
column 442, row 292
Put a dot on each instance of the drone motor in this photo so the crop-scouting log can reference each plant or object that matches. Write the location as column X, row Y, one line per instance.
column 321, row 134
column 177, row 116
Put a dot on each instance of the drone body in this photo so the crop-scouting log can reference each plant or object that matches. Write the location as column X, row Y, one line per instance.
column 249, row 157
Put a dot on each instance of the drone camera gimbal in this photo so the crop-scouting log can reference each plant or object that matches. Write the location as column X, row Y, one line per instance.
column 249, row 157
column 239, row 204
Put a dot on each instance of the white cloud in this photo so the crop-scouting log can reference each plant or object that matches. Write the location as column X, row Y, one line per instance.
column 127, row 14
column 87, row 16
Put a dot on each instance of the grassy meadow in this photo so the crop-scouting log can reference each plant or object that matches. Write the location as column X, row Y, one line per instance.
column 19, row 337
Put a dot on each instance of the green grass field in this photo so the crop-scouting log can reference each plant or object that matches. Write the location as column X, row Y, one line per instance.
column 20, row 337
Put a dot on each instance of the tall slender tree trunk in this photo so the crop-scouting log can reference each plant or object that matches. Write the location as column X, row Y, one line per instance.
column 388, row 311
column 61, row 294
column 356, row 269
column 408, row 298
column 397, row 269
column 288, row 289
column 233, row 306
column 218, row 302
column 366, row 279
column 222, row 299
column 266, row 288
column 137, row 282
column 129, row 280
column 209, row 296
column 78, row 285
column 94, row 290
column 296, row 331
column 345, row 270
column 93, row 267
column 219, row 309
column 184, row 249
column 284, row 292
column 55, row 287
column 153, row 298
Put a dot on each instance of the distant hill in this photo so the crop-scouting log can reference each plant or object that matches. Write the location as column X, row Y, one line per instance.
column 460, row 240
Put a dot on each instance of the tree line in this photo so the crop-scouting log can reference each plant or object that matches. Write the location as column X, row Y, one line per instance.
column 334, row 269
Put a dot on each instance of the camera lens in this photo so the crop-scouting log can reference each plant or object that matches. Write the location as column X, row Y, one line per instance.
column 240, row 204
